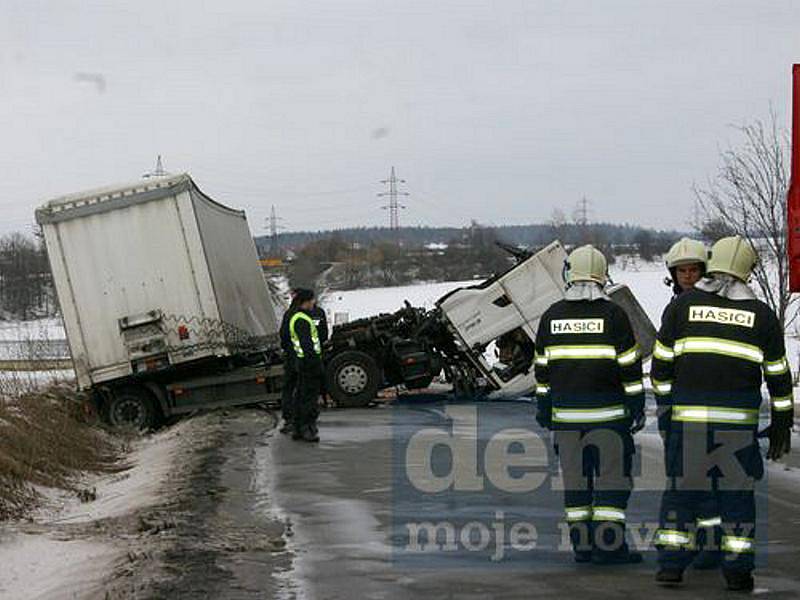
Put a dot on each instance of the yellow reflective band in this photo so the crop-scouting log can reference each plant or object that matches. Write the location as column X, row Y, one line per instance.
column 542, row 389
column 588, row 415
column 702, row 345
column 633, row 388
column 715, row 414
column 629, row 356
column 541, row 360
column 737, row 544
column 578, row 513
column 580, row 352
column 783, row 403
column 663, row 352
column 776, row 367
column 608, row 513
column 712, row 522
column 661, row 388
column 674, row 538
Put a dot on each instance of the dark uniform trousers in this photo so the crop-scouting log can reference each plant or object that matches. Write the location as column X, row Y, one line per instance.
column 702, row 482
column 306, row 405
column 596, row 470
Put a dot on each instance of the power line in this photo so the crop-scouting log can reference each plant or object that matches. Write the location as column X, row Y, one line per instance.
column 159, row 171
column 274, row 248
column 393, row 206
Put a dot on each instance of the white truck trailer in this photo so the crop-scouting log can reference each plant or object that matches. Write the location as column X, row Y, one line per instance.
column 164, row 304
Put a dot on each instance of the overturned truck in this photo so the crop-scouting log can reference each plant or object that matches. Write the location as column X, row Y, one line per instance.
column 462, row 336
column 164, row 304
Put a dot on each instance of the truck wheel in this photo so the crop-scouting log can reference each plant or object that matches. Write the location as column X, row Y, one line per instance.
column 352, row 379
column 132, row 408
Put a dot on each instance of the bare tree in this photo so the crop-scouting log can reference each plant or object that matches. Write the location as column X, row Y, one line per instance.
column 748, row 197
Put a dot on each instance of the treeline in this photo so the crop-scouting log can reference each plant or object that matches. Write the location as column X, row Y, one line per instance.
column 539, row 234
column 336, row 261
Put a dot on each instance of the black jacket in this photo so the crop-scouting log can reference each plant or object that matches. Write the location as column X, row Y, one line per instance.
column 588, row 366
column 713, row 352
column 286, row 339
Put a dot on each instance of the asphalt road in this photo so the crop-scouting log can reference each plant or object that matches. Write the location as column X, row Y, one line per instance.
column 348, row 502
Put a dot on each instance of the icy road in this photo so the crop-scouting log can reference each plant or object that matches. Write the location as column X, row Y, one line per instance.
column 343, row 510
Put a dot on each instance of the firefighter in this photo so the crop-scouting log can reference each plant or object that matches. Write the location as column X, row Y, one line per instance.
column 308, row 355
column 715, row 345
column 590, row 393
column 686, row 262
column 289, row 386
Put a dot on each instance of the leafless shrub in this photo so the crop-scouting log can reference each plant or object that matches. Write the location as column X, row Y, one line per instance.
column 748, row 197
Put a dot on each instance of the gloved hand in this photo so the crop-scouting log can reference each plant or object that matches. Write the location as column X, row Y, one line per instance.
column 638, row 421
column 780, row 434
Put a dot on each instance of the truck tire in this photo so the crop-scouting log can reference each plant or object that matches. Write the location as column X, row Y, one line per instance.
column 352, row 379
column 132, row 408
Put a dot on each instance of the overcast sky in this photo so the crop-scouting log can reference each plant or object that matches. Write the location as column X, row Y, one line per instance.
column 495, row 111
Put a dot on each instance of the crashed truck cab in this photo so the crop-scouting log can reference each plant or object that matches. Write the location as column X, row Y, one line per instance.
column 482, row 336
column 499, row 319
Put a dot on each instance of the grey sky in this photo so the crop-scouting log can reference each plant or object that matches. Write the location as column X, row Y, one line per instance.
column 497, row 111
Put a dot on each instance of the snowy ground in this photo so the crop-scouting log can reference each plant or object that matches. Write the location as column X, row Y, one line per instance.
column 72, row 549
column 357, row 304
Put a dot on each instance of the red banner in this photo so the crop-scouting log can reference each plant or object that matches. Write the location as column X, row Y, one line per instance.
column 793, row 201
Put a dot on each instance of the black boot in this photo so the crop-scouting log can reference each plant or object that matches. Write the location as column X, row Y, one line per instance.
column 669, row 577
column 287, row 427
column 309, row 435
column 623, row 557
column 739, row 581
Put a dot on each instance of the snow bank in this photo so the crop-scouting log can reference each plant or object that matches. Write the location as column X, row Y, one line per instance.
column 41, row 566
column 56, row 557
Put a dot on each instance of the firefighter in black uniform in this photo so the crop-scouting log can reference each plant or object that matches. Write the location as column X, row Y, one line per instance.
column 687, row 261
column 289, row 387
column 590, row 392
column 715, row 345
column 308, row 355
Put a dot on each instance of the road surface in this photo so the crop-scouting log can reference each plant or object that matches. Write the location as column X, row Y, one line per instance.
column 343, row 509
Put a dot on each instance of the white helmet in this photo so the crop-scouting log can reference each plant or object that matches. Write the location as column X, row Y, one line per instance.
column 686, row 251
column 587, row 263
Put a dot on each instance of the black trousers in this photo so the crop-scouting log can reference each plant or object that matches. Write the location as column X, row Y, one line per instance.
column 692, row 487
column 306, row 405
column 596, row 468
column 289, row 389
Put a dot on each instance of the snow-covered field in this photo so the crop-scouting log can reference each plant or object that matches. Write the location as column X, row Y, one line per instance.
column 372, row 301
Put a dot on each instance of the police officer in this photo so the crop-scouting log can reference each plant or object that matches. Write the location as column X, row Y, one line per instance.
column 289, row 387
column 590, row 392
column 715, row 345
column 686, row 262
column 308, row 354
